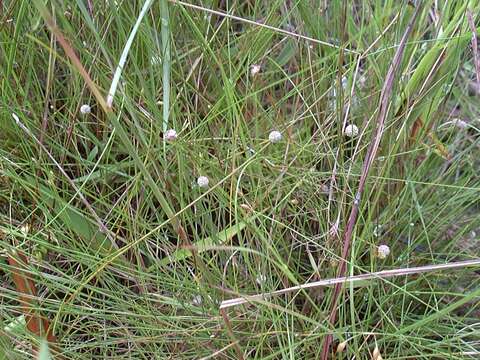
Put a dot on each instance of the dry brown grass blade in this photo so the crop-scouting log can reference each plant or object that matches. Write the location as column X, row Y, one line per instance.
column 350, row 280
column 417, row 127
column 71, row 55
column 228, row 328
column 476, row 60
column 371, row 153
column 51, row 62
column 27, row 292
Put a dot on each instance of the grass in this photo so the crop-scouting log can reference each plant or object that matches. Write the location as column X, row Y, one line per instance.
column 129, row 258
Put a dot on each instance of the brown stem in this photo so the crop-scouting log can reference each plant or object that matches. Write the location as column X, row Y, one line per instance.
column 228, row 327
column 27, row 292
column 371, row 153
column 476, row 60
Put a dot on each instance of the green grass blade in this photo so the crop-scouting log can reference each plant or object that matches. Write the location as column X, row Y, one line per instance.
column 166, row 62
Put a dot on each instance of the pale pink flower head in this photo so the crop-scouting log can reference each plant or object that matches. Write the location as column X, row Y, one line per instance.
column 170, row 135
column 85, row 109
column 383, row 251
column 202, row 182
column 255, row 69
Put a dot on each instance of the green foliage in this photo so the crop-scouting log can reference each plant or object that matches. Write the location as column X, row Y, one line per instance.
column 44, row 353
column 274, row 215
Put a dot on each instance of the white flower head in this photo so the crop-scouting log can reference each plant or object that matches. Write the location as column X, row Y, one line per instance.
column 85, row 109
column 255, row 69
column 170, row 135
column 460, row 123
column 383, row 251
column 197, row 300
column 275, row 136
column 351, row 131
column 202, row 182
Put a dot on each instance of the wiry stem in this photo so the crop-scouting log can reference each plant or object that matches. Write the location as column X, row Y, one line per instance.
column 351, row 280
column 371, row 153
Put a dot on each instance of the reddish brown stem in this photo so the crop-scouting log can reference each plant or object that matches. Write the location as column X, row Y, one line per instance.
column 228, row 327
column 371, row 153
column 36, row 323
column 476, row 60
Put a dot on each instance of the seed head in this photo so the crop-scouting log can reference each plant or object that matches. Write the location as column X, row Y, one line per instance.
column 202, row 182
column 85, row 109
column 170, row 135
column 351, row 131
column 275, row 136
column 383, row 251
column 341, row 346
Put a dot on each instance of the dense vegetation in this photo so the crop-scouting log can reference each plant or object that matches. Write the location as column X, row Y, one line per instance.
column 112, row 241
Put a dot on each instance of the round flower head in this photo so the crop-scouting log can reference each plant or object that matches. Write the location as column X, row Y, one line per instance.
column 383, row 251
column 170, row 135
column 459, row 123
column 85, row 109
column 255, row 69
column 275, row 136
column 202, row 182
column 351, row 131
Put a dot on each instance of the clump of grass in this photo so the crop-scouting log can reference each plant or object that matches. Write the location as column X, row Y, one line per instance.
column 131, row 257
